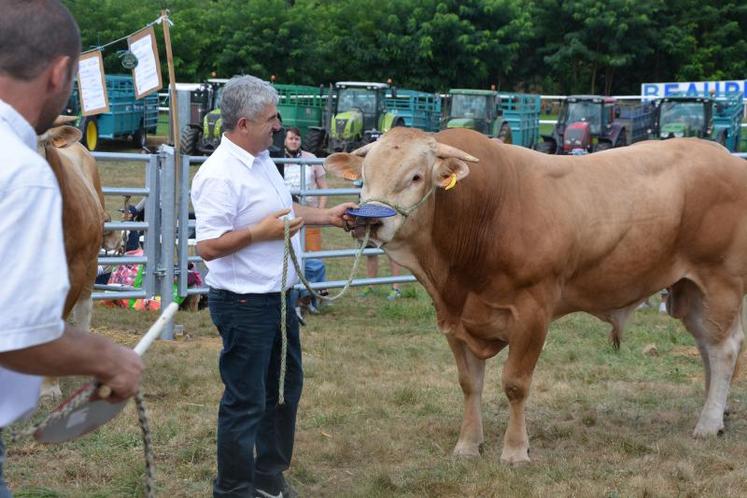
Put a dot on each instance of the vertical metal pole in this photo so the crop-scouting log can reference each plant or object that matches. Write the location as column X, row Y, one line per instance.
column 151, row 242
column 183, row 225
column 168, row 228
column 301, row 198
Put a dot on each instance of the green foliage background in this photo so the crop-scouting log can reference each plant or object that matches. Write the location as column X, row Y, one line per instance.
column 548, row 46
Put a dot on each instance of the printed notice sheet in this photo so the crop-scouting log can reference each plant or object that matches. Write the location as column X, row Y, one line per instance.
column 91, row 84
column 147, row 73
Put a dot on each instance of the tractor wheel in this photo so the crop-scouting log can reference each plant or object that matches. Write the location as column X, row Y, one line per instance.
column 504, row 134
column 189, row 139
column 140, row 137
column 547, row 147
column 90, row 130
column 315, row 138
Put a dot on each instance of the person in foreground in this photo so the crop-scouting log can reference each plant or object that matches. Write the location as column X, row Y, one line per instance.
column 240, row 201
column 39, row 48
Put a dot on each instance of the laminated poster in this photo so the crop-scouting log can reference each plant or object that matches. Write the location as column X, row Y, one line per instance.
column 147, row 73
column 91, row 84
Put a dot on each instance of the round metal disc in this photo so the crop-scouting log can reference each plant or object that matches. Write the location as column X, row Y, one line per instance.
column 372, row 211
column 86, row 418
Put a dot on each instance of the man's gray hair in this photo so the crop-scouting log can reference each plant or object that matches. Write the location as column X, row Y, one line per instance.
column 245, row 97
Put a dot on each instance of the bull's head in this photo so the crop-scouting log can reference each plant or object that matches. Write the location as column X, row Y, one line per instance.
column 61, row 136
column 401, row 170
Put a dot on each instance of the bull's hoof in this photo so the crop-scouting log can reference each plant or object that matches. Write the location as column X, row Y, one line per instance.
column 515, row 456
column 467, row 450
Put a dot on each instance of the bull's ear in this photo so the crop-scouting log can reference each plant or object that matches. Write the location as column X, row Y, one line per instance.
column 451, row 165
column 344, row 165
column 62, row 136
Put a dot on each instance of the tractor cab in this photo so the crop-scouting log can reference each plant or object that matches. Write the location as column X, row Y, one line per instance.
column 684, row 117
column 583, row 119
column 473, row 109
column 359, row 107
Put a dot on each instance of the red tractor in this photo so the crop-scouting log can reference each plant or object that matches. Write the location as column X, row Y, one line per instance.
column 590, row 123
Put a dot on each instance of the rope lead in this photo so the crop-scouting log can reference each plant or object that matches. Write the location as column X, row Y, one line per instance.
column 288, row 251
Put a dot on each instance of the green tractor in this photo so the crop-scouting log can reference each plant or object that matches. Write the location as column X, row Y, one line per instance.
column 509, row 117
column 363, row 111
column 714, row 117
column 202, row 134
column 358, row 115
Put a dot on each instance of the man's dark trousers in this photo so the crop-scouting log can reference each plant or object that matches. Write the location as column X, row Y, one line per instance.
column 249, row 414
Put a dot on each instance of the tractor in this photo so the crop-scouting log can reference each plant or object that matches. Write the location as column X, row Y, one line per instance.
column 202, row 134
column 591, row 123
column 361, row 112
column 710, row 116
column 509, row 117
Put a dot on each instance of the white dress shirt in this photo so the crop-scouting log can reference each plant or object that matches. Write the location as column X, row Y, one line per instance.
column 233, row 190
column 32, row 252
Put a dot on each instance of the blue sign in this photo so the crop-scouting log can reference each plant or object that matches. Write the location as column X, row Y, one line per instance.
column 694, row 88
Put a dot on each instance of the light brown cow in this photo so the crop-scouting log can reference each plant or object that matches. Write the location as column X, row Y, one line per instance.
column 83, row 217
column 528, row 237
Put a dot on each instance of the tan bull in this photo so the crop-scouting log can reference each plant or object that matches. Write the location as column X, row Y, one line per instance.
column 83, row 217
column 524, row 238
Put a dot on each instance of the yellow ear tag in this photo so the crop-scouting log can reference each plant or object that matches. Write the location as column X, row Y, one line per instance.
column 452, row 182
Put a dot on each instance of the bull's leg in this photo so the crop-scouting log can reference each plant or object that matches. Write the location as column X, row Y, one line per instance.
column 523, row 352
column 471, row 372
column 714, row 319
column 82, row 312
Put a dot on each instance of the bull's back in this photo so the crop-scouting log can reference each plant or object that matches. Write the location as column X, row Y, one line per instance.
column 649, row 214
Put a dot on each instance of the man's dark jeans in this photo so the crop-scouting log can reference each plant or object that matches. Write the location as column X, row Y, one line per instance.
column 249, row 415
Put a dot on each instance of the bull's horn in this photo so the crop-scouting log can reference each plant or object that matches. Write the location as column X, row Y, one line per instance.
column 61, row 120
column 362, row 151
column 443, row 151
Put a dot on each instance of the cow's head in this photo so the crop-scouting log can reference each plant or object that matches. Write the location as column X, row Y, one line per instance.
column 402, row 170
column 59, row 136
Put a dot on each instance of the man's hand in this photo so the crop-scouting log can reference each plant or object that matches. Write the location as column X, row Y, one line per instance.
column 123, row 378
column 336, row 215
column 273, row 228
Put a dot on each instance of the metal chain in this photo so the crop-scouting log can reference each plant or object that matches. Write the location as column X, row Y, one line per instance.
column 288, row 251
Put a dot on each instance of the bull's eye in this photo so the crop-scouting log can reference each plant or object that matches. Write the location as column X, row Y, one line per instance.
column 416, row 178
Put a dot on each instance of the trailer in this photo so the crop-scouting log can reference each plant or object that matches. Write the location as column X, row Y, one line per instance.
column 413, row 109
column 128, row 117
column 302, row 107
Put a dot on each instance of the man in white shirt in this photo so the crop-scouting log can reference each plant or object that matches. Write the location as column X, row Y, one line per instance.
column 39, row 48
column 240, row 199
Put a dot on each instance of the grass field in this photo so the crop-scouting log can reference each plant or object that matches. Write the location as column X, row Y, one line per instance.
column 381, row 410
